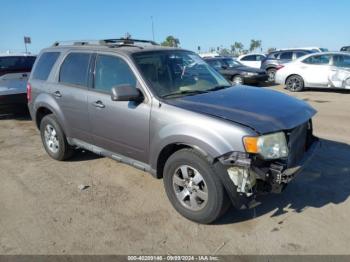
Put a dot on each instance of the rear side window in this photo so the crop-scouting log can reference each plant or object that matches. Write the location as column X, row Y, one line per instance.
column 318, row 60
column 74, row 69
column 112, row 71
column 341, row 61
column 273, row 55
column 286, row 55
column 300, row 54
column 249, row 58
column 44, row 65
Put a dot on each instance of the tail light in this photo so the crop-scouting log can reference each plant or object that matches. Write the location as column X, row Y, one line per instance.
column 29, row 92
column 279, row 67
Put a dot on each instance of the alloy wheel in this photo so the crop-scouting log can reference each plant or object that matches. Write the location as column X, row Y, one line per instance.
column 190, row 188
column 51, row 138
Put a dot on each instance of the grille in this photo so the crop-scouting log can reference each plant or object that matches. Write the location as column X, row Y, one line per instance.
column 297, row 144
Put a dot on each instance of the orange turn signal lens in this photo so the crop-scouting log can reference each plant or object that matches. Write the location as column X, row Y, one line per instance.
column 251, row 144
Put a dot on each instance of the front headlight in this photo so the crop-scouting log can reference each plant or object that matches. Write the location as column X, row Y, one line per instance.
column 270, row 146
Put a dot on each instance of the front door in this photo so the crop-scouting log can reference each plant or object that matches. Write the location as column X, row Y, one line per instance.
column 121, row 127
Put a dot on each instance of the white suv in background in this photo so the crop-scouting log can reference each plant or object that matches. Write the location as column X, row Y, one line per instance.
column 252, row 60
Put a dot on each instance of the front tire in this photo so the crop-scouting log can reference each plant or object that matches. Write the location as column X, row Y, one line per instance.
column 54, row 139
column 193, row 187
column 295, row 83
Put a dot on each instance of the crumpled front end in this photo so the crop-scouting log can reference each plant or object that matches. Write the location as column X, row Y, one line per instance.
column 248, row 175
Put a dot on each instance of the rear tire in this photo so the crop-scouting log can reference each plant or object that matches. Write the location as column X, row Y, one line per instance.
column 54, row 139
column 193, row 187
column 295, row 83
column 271, row 72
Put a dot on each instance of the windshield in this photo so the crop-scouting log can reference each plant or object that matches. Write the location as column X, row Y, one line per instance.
column 178, row 72
column 231, row 62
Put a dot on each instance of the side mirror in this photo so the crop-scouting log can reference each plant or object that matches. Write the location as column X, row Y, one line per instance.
column 126, row 93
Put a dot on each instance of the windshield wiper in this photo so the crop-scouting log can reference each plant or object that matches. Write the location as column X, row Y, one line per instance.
column 215, row 88
column 185, row 92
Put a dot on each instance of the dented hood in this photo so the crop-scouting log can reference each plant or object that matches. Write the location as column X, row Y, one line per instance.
column 261, row 109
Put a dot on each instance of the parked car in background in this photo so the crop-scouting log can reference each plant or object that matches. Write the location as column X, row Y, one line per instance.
column 211, row 54
column 322, row 70
column 165, row 111
column 14, row 73
column 235, row 72
column 252, row 60
column 345, row 49
column 310, row 48
column 276, row 59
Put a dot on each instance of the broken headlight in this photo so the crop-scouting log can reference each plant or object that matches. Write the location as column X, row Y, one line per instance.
column 271, row 146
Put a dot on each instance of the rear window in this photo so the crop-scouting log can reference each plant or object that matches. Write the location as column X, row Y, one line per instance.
column 44, row 65
column 17, row 63
column 74, row 69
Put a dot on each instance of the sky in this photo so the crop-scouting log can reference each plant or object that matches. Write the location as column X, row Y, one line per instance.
column 204, row 23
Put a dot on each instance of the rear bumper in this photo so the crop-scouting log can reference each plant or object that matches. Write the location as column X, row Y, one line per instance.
column 13, row 103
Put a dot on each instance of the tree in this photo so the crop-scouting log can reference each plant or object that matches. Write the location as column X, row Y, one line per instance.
column 271, row 49
column 238, row 47
column 171, row 41
column 224, row 52
column 254, row 44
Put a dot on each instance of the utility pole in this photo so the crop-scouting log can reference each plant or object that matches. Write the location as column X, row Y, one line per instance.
column 152, row 28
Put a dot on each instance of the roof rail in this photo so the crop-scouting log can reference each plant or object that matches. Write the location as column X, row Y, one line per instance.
column 106, row 42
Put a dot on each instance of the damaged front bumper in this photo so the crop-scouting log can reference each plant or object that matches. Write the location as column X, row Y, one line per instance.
column 248, row 177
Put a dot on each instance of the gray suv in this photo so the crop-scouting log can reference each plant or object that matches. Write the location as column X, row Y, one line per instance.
column 167, row 112
column 275, row 60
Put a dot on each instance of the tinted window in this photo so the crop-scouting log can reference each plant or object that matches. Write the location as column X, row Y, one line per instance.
column 74, row 69
column 273, row 55
column 317, row 60
column 286, row 55
column 259, row 57
column 341, row 60
column 112, row 71
column 345, row 48
column 249, row 58
column 17, row 62
column 300, row 54
column 215, row 63
column 44, row 65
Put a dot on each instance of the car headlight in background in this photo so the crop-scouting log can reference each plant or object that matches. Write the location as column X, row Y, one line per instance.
column 270, row 146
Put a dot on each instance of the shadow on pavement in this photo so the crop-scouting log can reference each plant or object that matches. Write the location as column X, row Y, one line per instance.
column 326, row 180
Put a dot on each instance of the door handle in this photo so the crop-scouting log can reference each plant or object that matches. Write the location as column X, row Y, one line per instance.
column 57, row 94
column 99, row 104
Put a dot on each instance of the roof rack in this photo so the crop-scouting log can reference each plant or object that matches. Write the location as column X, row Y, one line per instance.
column 118, row 42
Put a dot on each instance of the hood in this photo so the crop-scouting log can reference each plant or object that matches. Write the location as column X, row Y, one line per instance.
column 261, row 109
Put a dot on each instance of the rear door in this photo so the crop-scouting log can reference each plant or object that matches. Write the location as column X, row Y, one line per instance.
column 285, row 57
column 316, row 70
column 70, row 91
column 121, row 127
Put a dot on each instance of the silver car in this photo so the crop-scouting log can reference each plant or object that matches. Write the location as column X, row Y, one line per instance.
column 321, row 70
column 167, row 112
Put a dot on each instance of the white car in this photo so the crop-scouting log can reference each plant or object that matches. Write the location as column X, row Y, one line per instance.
column 321, row 70
column 252, row 60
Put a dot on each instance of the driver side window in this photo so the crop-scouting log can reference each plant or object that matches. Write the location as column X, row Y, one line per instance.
column 112, row 71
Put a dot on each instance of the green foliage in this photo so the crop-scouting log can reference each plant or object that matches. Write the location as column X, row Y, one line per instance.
column 171, row 41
